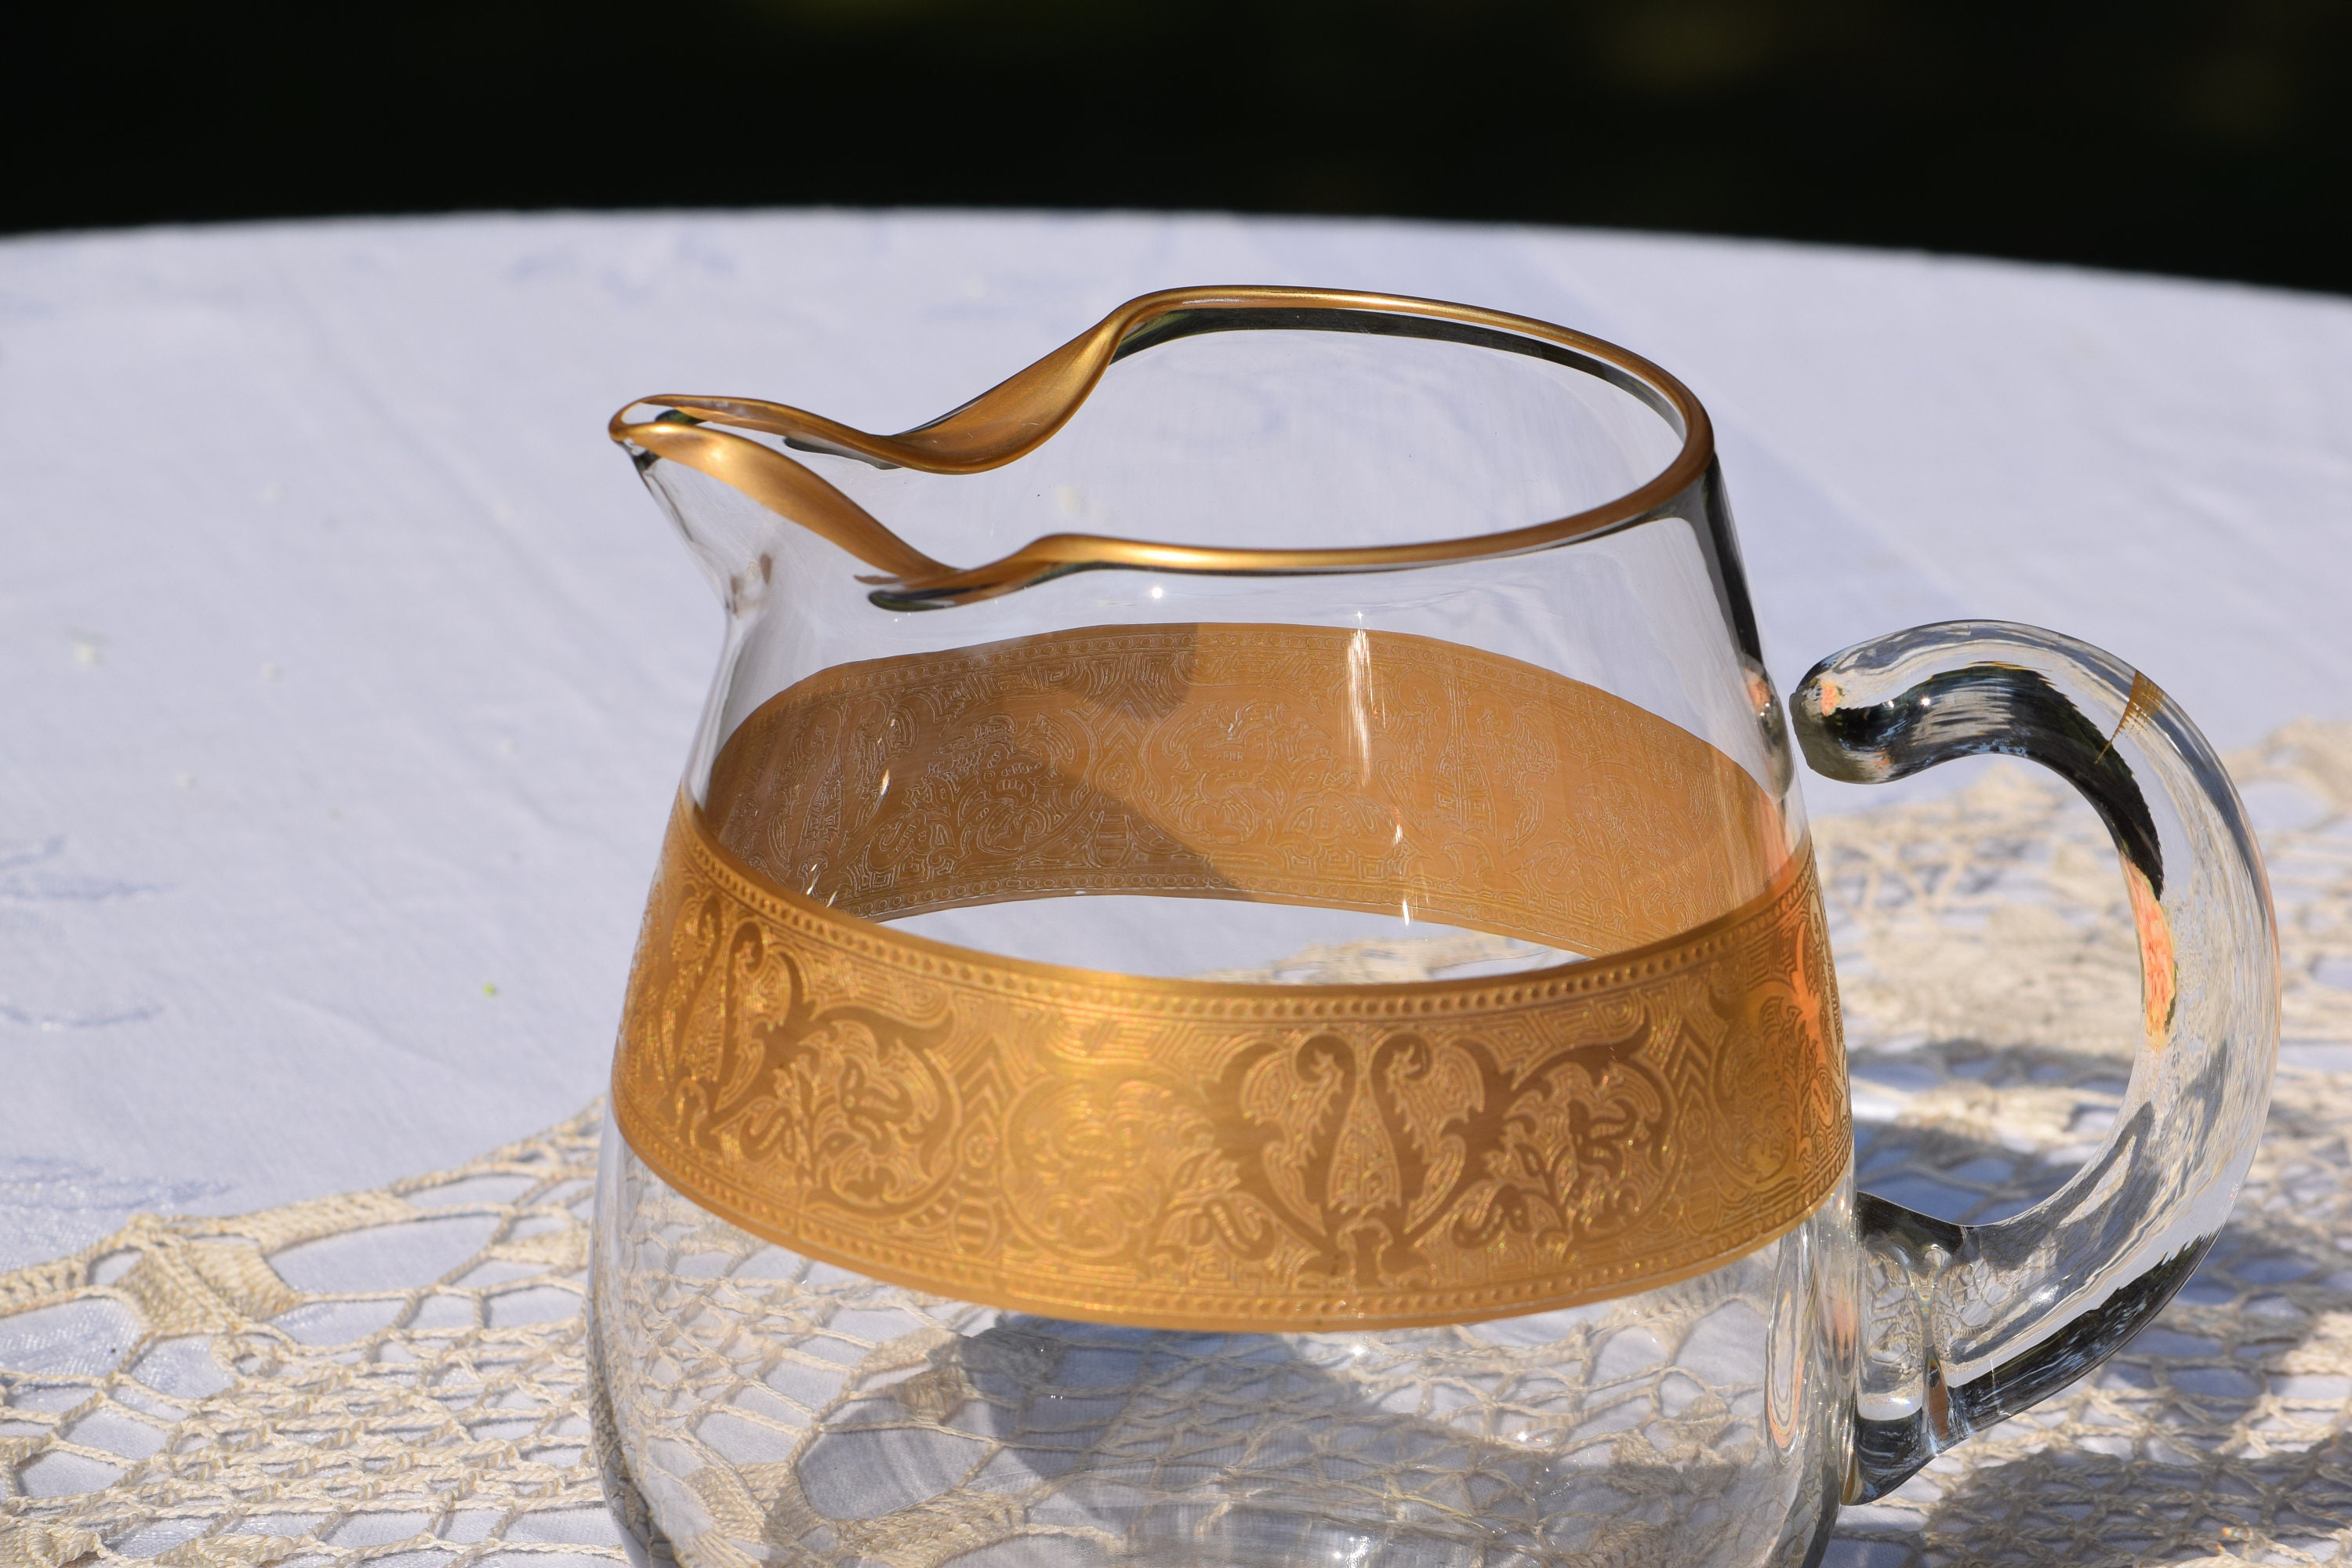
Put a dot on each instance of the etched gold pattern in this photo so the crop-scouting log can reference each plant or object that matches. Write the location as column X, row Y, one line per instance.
column 1220, row 1156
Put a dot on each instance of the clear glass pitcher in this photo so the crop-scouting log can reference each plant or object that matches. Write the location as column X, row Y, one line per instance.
column 1285, row 1014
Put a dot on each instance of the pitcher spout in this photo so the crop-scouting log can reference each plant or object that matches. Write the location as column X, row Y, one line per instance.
column 728, row 495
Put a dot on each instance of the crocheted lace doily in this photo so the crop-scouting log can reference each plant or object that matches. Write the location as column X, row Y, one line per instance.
column 398, row 1377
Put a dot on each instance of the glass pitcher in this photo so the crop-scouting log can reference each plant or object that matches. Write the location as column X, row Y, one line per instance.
column 1286, row 1015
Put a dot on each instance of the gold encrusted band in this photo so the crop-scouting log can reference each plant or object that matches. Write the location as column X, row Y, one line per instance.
column 1221, row 1156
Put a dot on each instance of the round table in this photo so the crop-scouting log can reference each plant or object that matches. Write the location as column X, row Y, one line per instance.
column 349, row 670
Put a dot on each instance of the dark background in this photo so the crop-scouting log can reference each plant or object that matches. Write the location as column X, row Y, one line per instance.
column 2187, row 136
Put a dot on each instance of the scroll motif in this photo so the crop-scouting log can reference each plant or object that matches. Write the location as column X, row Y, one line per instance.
column 1226, row 1156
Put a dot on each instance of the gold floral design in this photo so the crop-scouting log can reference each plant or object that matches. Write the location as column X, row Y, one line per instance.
column 1226, row 1156
column 1219, row 1155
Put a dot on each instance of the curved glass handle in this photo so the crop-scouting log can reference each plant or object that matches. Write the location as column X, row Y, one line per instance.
column 1970, row 1325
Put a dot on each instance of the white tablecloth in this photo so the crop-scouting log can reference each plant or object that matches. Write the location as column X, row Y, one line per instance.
column 346, row 671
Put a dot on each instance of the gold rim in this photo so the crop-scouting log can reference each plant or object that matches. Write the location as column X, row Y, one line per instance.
column 1020, row 414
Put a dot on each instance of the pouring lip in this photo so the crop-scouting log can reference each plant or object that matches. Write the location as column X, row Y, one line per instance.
column 1019, row 415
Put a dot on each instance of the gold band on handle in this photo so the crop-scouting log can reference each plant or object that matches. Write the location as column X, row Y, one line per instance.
column 1213, row 1155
